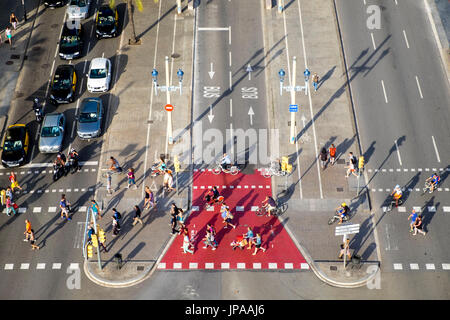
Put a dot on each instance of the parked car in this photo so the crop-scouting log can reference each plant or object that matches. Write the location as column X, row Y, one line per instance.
column 64, row 84
column 78, row 9
column 52, row 4
column 90, row 118
column 52, row 133
column 71, row 42
column 99, row 75
column 106, row 22
column 15, row 145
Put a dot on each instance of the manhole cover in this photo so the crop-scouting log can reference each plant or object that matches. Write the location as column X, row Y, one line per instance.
column 340, row 189
column 175, row 55
column 45, row 66
column 9, row 62
column 140, row 268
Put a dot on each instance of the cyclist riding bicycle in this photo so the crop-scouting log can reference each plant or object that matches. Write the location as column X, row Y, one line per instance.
column 397, row 194
column 162, row 166
column 225, row 162
column 212, row 195
column 433, row 180
column 342, row 211
column 115, row 167
column 269, row 204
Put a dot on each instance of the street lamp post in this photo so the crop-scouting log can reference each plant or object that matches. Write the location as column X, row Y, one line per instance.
column 168, row 88
column 24, row 11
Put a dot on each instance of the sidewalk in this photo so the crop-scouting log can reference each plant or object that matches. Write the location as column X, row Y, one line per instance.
column 324, row 117
column 136, row 137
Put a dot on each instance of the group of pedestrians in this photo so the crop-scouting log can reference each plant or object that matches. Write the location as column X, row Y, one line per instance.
column 327, row 155
column 416, row 224
column 7, row 195
column 8, row 31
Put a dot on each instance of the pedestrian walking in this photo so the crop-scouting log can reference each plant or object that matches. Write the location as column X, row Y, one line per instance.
column 257, row 241
column 8, row 35
column 315, row 81
column 323, row 158
column 332, row 152
column 149, row 200
column 9, row 193
column 413, row 217
column 228, row 218
column 418, row 225
column 65, row 207
column 13, row 20
column 109, row 184
column 28, row 229
column 210, row 241
column 168, row 181
column 115, row 227
column 131, row 178
column 137, row 215
column 345, row 249
column 116, row 215
column 96, row 209
column 249, row 237
column 180, row 218
column 13, row 180
column 174, row 217
column 33, row 241
column 210, row 228
column 352, row 165
column 9, row 207
column 187, row 242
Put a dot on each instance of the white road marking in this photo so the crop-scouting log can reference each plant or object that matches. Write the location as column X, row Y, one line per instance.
column 436, row 150
column 40, row 266
column 24, row 266
column 224, row 265
column 430, row 266
column 398, row 153
column 414, row 266
column 231, row 107
column 446, row 266
column 241, row 265
column 418, row 87
column 209, row 265
column 373, row 41
column 256, row 265
column 9, row 266
column 37, row 209
column 384, row 91
column 398, row 266
column 406, row 39
column 56, row 266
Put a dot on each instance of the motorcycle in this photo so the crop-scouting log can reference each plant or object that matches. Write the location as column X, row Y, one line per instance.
column 58, row 171
column 37, row 110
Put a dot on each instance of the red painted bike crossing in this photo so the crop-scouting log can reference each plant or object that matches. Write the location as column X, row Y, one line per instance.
column 243, row 194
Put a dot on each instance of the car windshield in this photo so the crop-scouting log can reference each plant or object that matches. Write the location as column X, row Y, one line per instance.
column 60, row 84
column 88, row 117
column 12, row 145
column 98, row 73
column 50, row 132
column 78, row 3
column 70, row 41
column 105, row 18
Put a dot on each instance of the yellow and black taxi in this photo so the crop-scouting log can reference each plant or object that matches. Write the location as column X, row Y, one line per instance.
column 64, row 85
column 106, row 22
column 15, row 145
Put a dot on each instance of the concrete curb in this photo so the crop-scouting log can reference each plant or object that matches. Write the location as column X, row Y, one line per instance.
column 321, row 274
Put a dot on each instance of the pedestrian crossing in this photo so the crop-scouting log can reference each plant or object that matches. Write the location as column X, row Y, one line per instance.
column 39, row 266
column 414, row 170
column 40, row 172
column 417, row 266
column 41, row 210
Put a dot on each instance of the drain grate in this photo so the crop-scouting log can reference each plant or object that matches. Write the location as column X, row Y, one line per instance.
column 140, row 268
column 333, row 268
column 175, row 55
column 340, row 189
column 9, row 62
column 15, row 56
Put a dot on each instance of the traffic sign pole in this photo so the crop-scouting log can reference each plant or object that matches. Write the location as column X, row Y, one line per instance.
column 169, row 114
column 292, row 134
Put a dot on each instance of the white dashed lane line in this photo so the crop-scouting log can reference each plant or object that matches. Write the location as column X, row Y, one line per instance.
column 39, row 266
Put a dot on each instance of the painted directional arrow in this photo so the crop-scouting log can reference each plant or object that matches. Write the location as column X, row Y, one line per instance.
column 251, row 114
column 210, row 116
column 249, row 70
column 303, row 120
column 211, row 73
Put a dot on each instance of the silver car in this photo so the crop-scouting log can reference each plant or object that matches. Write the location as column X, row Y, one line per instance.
column 78, row 9
column 52, row 133
column 90, row 119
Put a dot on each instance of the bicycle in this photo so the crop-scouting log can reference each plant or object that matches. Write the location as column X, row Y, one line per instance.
column 234, row 170
column 278, row 211
column 427, row 187
column 219, row 200
column 392, row 204
column 269, row 172
column 337, row 217
column 156, row 170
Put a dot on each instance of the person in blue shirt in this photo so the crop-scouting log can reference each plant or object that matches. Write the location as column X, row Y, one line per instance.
column 249, row 237
column 257, row 241
column 433, row 180
column 64, row 205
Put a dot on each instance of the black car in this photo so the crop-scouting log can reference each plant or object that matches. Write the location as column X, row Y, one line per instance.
column 15, row 145
column 106, row 22
column 71, row 43
column 54, row 3
column 64, row 84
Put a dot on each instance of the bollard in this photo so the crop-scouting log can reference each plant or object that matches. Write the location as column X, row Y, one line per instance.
column 118, row 260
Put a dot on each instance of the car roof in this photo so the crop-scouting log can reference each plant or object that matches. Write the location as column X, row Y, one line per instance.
column 64, row 70
column 74, row 29
column 90, row 105
column 106, row 9
column 98, row 63
column 51, row 120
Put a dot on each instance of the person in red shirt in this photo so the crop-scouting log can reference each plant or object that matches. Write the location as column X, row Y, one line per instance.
column 332, row 152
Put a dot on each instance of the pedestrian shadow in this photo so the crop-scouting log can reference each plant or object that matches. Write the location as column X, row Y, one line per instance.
column 409, row 186
column 268, row 231
column 427, row 215
column 326, row 77
column 369, row 152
